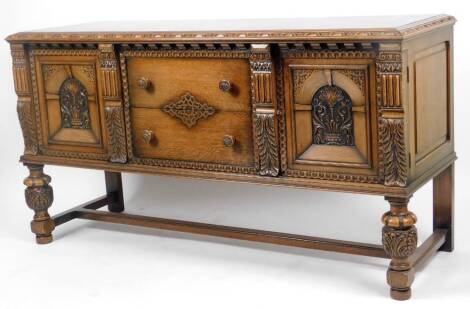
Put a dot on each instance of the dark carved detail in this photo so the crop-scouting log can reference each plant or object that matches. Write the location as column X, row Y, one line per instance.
column 393, row 151
column 48, row 70
column 73, row 100
column 26, row 123
column 331, row 176
column 216, row 167
column 281, row 115
column 399, row 244
column 23, row 90
column 332, row 117
column 260, row 66
column 189, row 110
column 265, row 139
column 39, row 198
column 89, row 71
column 300, row 76
column 357, row 76
column 117, row 137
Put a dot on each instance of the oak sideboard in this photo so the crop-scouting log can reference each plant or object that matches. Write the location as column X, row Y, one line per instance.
column 361, row 105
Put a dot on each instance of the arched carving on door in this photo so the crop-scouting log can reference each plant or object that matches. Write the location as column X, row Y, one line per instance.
column 332, row 117
column 73, row 101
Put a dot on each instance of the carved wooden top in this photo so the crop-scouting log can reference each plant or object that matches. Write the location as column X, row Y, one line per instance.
column 266, row 30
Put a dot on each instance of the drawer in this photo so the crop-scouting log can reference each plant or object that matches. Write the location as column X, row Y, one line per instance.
column 159, row 135
column 155, row 81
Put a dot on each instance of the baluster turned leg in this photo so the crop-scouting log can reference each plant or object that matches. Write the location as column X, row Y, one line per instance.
column 399, row 238
column 39, row 198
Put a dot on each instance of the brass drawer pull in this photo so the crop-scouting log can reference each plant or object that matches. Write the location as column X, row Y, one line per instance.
column 144, row 83
column 228, row 140
column 148, row 136
column 225, row 85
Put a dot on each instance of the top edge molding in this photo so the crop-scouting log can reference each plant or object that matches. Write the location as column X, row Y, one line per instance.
column 269, row 36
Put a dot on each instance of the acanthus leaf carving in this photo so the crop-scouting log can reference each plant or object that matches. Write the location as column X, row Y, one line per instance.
column 265, row 137
column 117, row 138
column 399, row 243
column 26, row 122
column 393, row 151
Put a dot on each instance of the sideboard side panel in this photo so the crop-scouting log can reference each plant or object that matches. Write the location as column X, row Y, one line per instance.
column 430, row 99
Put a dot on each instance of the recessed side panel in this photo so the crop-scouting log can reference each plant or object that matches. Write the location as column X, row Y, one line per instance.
column 431, row 100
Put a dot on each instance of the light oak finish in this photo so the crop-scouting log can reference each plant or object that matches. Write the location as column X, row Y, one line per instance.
column 361, row 105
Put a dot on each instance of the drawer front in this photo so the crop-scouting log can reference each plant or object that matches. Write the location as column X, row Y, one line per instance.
column 157, row 81
column 189, row 108
column 225, row 137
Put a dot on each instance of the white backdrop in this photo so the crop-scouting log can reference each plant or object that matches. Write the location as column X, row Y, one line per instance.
column 95, row 265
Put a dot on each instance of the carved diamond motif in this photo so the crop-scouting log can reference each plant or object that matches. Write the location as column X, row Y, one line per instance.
column 189, row 110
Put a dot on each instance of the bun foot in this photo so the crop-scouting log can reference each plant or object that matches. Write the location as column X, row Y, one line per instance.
column 400, row 294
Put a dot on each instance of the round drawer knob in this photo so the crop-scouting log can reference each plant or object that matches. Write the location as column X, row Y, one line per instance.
column 143, row 83
column 148, row 136
column 228, row 140
column 225, row 85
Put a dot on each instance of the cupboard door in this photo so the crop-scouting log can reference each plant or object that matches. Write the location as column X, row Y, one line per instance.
column 330, row 118
column 69, row 103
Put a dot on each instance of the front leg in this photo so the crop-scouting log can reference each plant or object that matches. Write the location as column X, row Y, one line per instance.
column 400, row 239
column 39, row 198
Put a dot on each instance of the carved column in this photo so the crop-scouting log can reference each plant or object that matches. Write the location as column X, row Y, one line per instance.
column 23, row 90
column 399, row 238
column 39, row 197
column 111, row 88
column 264, row 120
column 392, row 149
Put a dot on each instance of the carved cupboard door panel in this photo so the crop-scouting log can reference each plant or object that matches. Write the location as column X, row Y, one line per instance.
column 330, row 115
column 68, row 103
